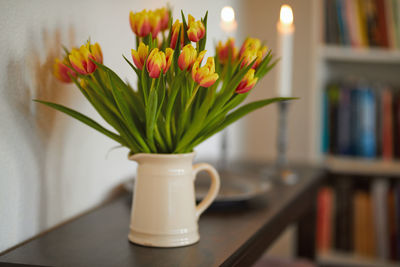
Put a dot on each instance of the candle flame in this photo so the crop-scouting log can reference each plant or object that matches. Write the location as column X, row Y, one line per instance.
column 227, row 14
column 286, row 15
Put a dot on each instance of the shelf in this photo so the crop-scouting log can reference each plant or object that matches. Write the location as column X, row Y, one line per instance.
column 362, row 55
column 349, row 165
column 346, row 259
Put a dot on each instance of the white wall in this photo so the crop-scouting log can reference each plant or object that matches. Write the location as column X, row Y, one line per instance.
column 51, row 166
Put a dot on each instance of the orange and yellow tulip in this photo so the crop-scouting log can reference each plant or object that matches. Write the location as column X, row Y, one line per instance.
column 248, row 56
column 176, row 27
column 205, row 76
column 169, row 54
column 82, row 59
column 156, row 63
column 224, row 52
column 260, row 55
column 62, row 72
column 164, row 16
column 196, row 29
column 250, row 44
column 187, row 57
column 140, row 23
column 139, row 56
column 247, row 83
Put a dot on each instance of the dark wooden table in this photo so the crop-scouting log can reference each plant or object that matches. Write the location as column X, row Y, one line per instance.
column 230, row 235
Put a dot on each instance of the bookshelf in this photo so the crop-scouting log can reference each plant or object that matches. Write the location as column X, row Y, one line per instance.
column 356, row 166
column 362, row 55
column 339, row 62
column 345, row 259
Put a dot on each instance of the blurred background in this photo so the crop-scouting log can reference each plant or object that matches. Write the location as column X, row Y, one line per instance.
column 346, row 66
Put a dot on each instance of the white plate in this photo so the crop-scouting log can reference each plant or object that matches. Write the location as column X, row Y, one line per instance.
column 235, row 187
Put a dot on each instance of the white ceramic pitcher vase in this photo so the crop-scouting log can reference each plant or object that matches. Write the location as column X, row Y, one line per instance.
column 164, row 211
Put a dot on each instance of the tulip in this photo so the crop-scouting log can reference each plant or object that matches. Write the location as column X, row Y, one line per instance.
column 250, row 43
column 260, row 55
column 196, row 29
column 205, row 76
column 175, row 31
column 81, row 59
column 156, row 63
column 247, row 82
column 155, row 23
column 139, row 57
column 226, row 51
column 169, row 54
column 62, row 71
column 164, row 16
column 187, row 57
column 248, row 56
column 140, row 23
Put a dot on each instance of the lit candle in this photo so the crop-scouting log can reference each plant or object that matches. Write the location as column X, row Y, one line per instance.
column 285, row 51
column 228, row 22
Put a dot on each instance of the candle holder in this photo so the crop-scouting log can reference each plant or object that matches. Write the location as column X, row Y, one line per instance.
column 282, row 172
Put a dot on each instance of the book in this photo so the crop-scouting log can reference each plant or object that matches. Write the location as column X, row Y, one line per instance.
column 344, row 122
column 333, row 98
column 364, row 234
column 387, row 124
column 366, row 146
column 396, row 124
column 391, row 215
column 325, row 122
column 382, row 34
column 379, row 189
column 324, row 218
column 391, row 30
column 343, row 215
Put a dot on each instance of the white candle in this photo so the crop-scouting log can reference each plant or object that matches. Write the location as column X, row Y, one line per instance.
column 228, row 22
column 285, row 51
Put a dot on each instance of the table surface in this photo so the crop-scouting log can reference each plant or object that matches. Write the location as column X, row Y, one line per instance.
column 229, row 234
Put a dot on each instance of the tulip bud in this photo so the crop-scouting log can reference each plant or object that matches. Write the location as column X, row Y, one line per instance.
column 62, row 72
column 164, row 15
column 226, row 51
column 205, row 76
column 175, row 31
column 140, row 23
column 81, row 59
column 196, row 29
column 169, row 54
column 139, row 57
column 248, row 56
column 187, row 57
column 260, row 55
column 156, row 63
column 247, row 82
column 155, row 23
column 250, row 43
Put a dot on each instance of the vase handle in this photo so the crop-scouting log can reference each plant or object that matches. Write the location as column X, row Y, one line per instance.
column 214, row 188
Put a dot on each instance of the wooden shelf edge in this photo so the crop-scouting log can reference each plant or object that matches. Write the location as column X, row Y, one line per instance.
column 334, row 258
column 349, row 165
column 372, row 55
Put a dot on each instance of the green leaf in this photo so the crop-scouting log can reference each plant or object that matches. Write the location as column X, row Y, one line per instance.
column 84, row 119
column 202, row 42
column 196, row 125
column 151, row 112
column 126, row 114
column 239, row 113
column 137, row 71
column 185, row 28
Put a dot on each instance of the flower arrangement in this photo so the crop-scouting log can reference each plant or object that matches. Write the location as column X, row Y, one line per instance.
column 178, row 101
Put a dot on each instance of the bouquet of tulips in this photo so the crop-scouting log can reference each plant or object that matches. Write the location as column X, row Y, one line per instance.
column 178, row 102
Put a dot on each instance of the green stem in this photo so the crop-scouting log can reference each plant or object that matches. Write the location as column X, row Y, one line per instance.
column 192, row 97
